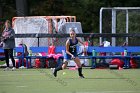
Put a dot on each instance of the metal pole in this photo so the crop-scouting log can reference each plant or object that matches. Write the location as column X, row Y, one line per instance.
column 127, row 24
column 37, row 36
column 38, row 41
column 100, row 24
column 113, row 26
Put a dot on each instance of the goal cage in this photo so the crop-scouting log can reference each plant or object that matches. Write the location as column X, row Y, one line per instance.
column 44, row 25
column 120, row 20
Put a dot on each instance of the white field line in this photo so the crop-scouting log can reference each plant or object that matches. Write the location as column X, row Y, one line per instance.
column 110, row 92
column 23, row 74
column 21, row 86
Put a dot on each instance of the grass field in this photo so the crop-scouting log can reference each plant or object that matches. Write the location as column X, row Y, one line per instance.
column 96, row 81
column 2, row 62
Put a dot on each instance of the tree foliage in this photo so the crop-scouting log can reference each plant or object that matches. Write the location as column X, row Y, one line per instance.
column 86, row 11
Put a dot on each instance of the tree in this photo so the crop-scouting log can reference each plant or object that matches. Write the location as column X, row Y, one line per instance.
column 1, row 9
column 48, row 7
column 21, row 7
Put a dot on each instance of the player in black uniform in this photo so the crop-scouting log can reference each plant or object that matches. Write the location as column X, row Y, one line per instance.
column 71, row 53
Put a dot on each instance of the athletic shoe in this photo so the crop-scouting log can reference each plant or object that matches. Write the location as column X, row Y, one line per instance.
column 6, row 69
column 22, row 67
column 81, row 76
column 13, row 69
column 52, row 70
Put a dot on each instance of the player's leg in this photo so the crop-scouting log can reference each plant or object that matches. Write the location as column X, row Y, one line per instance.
column 77, row 61
column 65, row 63
column 6, row 58
column 12, row 57
column 61, row 67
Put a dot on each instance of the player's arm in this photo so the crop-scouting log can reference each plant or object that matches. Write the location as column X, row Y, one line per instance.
column 12, row 34
column 79, row 40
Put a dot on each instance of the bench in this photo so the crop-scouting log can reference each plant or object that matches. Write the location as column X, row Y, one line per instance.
column 58, row 49
column 117, row 49
column 2, row 52
column 33, row 51
column 17, row 50
column 114, row 50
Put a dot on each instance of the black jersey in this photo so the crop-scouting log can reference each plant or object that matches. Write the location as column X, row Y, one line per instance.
column 72, row 46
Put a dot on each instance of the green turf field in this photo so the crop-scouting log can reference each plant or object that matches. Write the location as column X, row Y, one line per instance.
column 96, row 81
column 2, row 62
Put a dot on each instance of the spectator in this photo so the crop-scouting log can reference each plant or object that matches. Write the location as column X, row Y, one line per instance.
column 26, row 53
column 8, row 41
